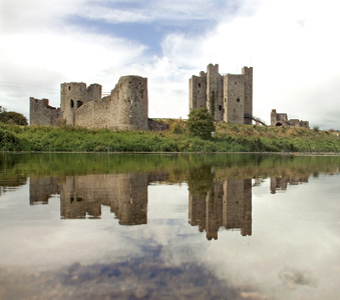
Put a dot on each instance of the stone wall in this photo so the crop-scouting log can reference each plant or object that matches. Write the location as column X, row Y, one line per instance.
column 130, row 97
column 126, row 108
column 248, row 93
column 43, row 114
column 214, row 92
column 197, row 91
column 234, row 98
column 72, row 96
column 96, row 114
column 281, row 119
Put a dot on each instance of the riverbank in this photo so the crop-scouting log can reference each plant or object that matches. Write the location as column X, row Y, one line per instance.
column 228, row 138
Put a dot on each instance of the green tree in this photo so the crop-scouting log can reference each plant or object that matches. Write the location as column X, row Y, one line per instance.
column 12, row 117
column 200, row 123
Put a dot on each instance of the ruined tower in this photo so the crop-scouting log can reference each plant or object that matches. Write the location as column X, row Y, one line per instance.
column 130, row 97
column 228, row 98
column 73, row 95
column 41, row 113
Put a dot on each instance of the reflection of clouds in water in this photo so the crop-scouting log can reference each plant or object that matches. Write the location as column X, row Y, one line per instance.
column 293, row 278
column 144, row 277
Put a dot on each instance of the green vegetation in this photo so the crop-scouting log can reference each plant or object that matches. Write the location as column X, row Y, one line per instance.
column 200, row 123
column 229, row 138
column 12, row 117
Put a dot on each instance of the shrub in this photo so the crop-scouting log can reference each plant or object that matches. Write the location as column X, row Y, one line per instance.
column 200, row 123
column 178, row 126
column 12, row 117
column 316, row 128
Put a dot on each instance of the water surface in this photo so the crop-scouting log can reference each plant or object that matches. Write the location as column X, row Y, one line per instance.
column 188, row 226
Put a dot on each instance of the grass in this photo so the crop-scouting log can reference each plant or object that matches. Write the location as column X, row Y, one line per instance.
column 229, row 138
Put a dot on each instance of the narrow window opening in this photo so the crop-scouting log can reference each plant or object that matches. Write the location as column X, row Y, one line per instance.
column 79, row 103
column 238, row 99
column 69, row 88
column 199, row 85
column 235, row 82
column 220, row 107
column 72, row 103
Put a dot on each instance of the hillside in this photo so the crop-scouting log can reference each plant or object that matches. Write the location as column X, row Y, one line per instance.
column 228, row 138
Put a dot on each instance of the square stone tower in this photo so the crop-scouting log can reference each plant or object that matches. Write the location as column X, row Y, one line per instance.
column 228, row 98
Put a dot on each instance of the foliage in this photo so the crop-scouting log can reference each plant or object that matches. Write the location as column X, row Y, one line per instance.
column 12, row 117
column 316, row 128
column 229, row 138
column 200, row 123
column 178, row 126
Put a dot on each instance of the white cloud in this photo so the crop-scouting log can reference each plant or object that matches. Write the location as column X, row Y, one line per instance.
column 292, row 46
column 164, row 11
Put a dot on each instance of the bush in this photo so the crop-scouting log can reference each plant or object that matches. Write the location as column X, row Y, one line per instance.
column 11, row 117
column 178, row 127
column 316, row 128
column 200, row 123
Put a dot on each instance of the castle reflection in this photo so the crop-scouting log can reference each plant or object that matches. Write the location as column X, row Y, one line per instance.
column 213, row 204
column 228, row 204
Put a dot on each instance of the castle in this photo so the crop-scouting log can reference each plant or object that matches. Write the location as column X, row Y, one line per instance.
column 126, row 108
column 281, row 119
column 228, row 98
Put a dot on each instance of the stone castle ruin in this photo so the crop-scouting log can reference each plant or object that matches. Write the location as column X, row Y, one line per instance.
column 277, row 119
column 126, row 108
column 228, row 98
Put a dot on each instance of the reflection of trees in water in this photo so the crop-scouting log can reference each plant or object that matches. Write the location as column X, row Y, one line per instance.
column 200, row 180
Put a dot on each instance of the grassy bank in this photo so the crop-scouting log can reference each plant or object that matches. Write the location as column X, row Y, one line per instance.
column 229, row 138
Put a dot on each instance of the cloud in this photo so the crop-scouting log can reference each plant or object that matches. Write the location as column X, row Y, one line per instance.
column 292, row 279
column 164, row 11
column 290, row 44
column 292, row 63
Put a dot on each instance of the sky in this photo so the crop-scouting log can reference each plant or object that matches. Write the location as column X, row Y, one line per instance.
column 292, row 45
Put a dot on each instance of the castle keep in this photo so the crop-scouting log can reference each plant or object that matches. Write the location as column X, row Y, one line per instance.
column 228, row 98
column 126, row 108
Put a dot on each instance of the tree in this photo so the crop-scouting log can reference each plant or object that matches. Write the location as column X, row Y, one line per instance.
column 12, row 117
column 200, row 123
